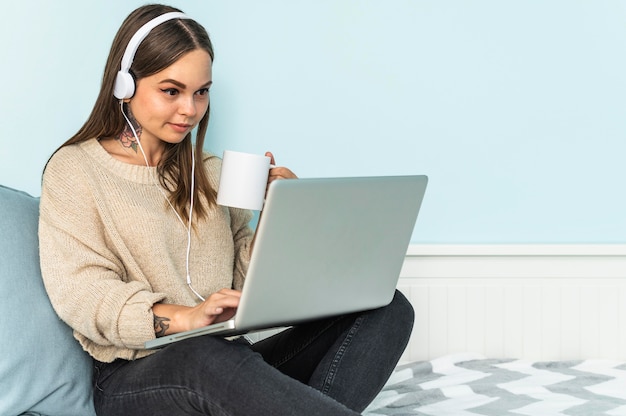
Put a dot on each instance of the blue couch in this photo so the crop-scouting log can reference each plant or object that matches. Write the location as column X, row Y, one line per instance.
column 43, row 369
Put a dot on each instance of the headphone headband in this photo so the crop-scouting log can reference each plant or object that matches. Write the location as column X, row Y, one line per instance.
column 124, row 82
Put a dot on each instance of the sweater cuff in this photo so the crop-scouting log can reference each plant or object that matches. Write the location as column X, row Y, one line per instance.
column 136, row 320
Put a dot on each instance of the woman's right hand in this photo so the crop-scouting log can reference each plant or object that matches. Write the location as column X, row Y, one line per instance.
column 218, row 307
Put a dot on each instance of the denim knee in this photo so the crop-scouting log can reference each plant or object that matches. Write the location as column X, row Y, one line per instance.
column 402, row 309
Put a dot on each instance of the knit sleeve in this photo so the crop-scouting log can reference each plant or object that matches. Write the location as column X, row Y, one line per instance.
column 242, row 237
column 84, row 279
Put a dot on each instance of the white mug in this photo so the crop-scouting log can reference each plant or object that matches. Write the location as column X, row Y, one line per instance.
column 243, row 180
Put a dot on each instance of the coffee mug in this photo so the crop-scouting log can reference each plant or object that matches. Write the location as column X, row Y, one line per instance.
column 243, row 180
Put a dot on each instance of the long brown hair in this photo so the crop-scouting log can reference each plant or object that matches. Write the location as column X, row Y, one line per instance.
column 163, row 46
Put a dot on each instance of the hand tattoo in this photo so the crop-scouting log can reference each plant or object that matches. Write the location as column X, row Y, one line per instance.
column 160, row 325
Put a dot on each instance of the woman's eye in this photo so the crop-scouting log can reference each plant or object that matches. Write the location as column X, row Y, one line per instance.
column 170, row 91
column 203, row 91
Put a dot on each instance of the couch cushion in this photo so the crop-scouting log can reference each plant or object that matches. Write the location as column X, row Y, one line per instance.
column 43, row 369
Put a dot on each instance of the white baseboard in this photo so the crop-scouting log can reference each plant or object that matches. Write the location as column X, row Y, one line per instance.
column 542, row 302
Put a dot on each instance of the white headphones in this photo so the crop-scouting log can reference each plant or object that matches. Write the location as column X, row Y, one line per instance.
column 124, row 81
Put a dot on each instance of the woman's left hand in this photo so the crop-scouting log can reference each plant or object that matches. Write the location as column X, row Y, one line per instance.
column 278, row 172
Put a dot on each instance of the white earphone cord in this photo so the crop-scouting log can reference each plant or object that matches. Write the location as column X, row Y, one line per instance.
column 188, row 226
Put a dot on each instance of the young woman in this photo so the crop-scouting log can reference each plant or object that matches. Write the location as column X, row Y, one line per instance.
column 134, row 246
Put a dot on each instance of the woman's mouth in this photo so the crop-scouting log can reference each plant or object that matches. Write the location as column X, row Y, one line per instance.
column 180, row 128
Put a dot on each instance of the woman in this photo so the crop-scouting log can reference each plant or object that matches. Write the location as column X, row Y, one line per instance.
column 133, row 246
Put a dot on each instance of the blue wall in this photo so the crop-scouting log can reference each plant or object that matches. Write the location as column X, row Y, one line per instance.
column 515, row 110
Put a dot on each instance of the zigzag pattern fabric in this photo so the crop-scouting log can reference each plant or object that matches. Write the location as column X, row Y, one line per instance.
column 471, row 385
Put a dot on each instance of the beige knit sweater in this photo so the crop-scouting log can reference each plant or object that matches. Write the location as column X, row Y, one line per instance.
column 111, row 247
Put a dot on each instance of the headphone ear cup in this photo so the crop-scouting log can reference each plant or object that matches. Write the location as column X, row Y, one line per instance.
column 124, row 85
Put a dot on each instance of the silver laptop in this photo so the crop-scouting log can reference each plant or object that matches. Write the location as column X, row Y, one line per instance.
column 324, row 247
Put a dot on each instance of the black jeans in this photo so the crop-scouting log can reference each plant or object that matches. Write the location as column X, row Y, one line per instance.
column 334, row 366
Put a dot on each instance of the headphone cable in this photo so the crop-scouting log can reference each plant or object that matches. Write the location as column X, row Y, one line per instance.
column 188, row 226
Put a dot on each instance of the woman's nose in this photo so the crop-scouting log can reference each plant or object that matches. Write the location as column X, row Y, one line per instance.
column 188, row 106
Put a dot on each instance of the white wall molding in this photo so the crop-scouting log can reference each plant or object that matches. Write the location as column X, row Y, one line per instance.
column 516, row 250
column 530, row 261
column 523, row 301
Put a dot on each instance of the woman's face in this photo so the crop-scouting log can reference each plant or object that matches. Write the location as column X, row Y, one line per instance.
column 170, row 103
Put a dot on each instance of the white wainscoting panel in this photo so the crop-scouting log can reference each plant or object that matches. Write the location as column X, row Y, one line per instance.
column 539, row 302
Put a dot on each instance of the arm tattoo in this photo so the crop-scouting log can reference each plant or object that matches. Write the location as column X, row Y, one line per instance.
column 160, row 325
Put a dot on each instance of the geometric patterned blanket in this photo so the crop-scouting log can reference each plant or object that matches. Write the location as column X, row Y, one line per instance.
column 471, row 385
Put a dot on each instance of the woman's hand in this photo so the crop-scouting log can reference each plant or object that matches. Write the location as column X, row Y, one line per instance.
column 278, row 172
column 218, row 307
